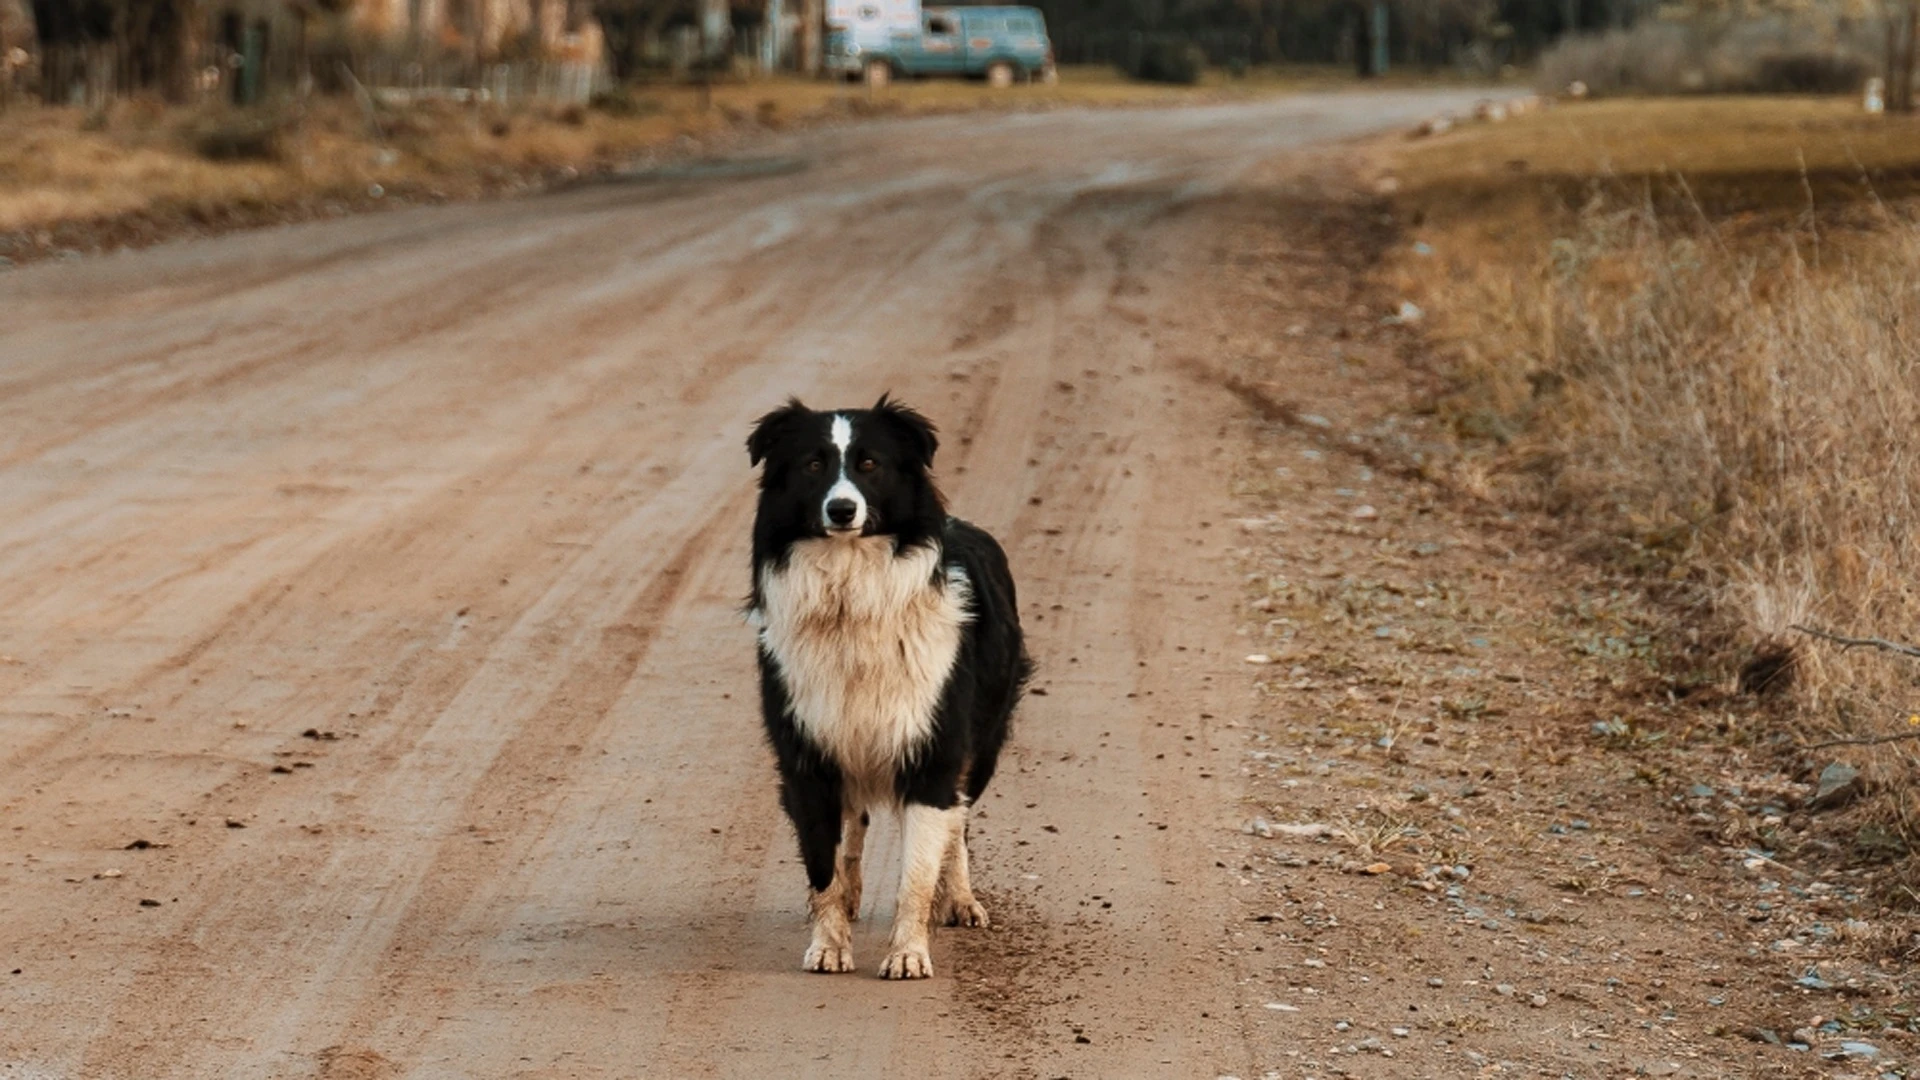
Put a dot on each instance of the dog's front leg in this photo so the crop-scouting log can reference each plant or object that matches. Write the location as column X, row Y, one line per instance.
column 926, row 832
column 815, row 806
column 831, row 950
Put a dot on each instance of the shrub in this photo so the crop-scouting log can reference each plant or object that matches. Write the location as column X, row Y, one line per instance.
column 239, row 135
column 623, row 102
column 1164, row 60
column 1734, row 419
column 1809, row 73
column 1756, row 56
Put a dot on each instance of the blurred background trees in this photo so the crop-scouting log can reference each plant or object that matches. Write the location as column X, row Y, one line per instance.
column 85, row 50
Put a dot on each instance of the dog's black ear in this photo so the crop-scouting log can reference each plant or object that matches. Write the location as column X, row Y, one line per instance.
column 772, row 426
column 916, row 430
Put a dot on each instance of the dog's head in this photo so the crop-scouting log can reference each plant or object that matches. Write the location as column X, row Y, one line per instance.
column 846, row 473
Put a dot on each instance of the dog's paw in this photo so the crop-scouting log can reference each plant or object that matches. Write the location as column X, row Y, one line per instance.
column 966, row 912
column 908, row 964
column 828, row 959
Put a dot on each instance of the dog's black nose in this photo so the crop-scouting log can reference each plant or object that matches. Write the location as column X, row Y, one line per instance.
column 841, row 511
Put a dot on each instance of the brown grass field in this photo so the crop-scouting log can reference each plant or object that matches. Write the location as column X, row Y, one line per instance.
column 1684, row 328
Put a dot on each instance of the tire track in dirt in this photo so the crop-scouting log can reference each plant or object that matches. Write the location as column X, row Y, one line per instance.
column 427, row 787
column 522, row 788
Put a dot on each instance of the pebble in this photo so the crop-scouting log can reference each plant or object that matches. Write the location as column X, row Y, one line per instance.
column 1401, row 1033
column 1342, row 1026
column 1538, row 1001
column 1504, row 989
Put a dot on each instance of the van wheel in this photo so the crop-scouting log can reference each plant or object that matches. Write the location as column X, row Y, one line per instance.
column 879, row 73
column 999, row 74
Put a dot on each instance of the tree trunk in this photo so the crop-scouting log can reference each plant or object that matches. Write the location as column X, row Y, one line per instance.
column 1902, row 29
column 813, row 18
column 1358, row 33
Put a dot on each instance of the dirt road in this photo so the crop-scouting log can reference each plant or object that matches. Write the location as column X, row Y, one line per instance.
column 374, row 699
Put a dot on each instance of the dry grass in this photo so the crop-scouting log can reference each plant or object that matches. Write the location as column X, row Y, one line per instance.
column 1688, row 329
column 59, row 166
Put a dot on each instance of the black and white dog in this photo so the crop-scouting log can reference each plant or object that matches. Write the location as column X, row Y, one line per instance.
column 890, row 663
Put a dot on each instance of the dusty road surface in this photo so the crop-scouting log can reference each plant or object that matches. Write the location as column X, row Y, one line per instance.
column 373, row 695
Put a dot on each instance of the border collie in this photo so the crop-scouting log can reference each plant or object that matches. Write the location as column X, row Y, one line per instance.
column 890, row 663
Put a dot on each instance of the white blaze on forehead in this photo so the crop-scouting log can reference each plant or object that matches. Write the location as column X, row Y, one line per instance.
column 843, row 488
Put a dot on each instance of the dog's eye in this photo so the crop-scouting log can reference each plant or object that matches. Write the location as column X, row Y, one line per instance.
column 816, row 465
column 867, row 464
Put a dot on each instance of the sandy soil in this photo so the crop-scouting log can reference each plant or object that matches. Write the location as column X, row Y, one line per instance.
column 374, row 699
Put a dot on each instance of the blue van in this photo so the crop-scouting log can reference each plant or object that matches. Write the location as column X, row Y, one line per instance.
column 1000, row 44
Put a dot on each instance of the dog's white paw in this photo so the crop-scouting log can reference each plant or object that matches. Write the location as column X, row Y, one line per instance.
column 908, row 964
column 966, row 912
column 828, row 959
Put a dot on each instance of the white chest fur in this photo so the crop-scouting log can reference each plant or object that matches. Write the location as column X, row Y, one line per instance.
column 865, row 642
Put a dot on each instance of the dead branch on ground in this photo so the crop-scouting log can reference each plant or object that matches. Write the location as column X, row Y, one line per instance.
column 1854, row 642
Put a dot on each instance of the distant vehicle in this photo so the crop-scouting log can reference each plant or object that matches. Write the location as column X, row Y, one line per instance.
column 881, row 39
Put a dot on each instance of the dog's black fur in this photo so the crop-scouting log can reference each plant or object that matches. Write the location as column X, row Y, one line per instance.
column 958, row 756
